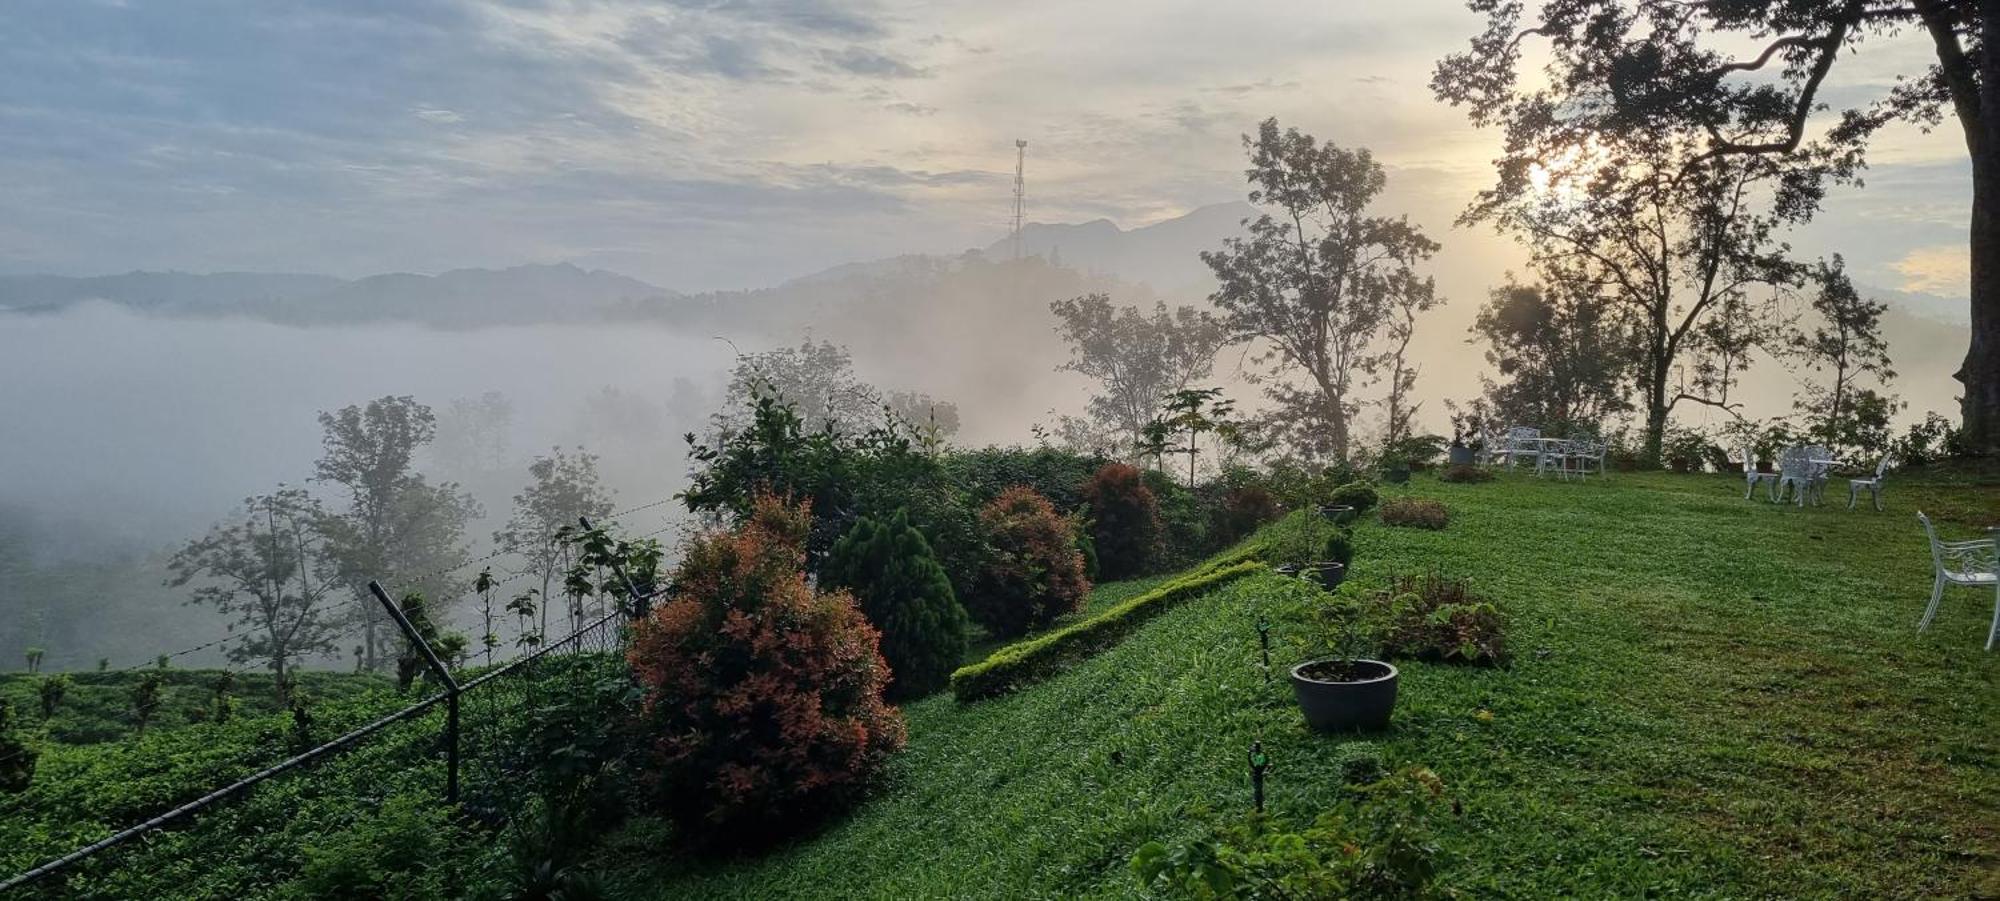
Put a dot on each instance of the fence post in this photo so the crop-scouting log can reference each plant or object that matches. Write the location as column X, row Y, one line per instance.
column 443, row 674
column 641, row 603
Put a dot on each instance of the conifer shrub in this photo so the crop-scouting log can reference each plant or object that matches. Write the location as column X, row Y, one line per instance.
column 1033, row 571
column 1125, row 521
column 762, row 707
column 889, row 568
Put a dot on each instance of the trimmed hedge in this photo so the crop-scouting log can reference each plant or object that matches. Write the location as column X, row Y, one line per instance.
column 1038, row 658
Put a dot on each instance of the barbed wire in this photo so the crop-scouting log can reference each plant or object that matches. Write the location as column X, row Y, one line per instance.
column 524, row 549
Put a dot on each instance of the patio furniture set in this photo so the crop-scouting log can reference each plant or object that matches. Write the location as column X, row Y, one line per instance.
column 1804, row 470
column 1564, row 457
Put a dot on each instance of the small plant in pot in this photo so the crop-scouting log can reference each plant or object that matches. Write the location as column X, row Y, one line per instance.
column 1309, row 547
column 1347, row 690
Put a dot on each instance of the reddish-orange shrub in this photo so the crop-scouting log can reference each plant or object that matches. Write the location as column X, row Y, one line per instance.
column 1125, row 521
column 1033, row 571
column 763, row 698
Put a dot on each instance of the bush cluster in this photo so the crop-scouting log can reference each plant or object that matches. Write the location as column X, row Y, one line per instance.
column 17, row 760
column 1435, row 618
column 904, row 592
column 1415, row 513
column 1034, row 572
column 1465, row 473
column 1359, row 495
column 763, row 697
column 1377, row 844
column 1304, row 537
column 1045, row 655
column 1124, row 522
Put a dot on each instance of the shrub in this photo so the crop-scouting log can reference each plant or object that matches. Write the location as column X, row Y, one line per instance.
column 1033, row 571
column 763, row 698
column 51, row 690
column 1928, row 442
column 1305, row 537
column 1184, row 520
column 1465, row 473
column 987, row 473
column 905, row 594
column 1045, row 655
column 1415, row 513
column 17, row 760
column 1377, row 844
column 1124, row 521
column 1436, row 618
column 1242, row 509
column 1359, row 495
column 393, row 852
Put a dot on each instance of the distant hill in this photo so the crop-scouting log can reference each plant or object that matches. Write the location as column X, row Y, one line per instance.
column 461, row 298
column 175, row 293
column 1165, row 255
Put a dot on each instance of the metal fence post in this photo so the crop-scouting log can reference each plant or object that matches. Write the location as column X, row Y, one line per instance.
column 443, row 674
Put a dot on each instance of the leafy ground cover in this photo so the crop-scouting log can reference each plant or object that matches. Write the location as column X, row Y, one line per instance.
column 1708, row 697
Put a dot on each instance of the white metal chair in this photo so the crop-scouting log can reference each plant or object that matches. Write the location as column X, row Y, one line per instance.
column 1752, row 478
column 1794, row 472
column 1974, row 564
column 1519, row 441
column 1872, row 486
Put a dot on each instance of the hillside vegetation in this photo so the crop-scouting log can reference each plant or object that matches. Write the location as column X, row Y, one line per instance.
column 1678, row 720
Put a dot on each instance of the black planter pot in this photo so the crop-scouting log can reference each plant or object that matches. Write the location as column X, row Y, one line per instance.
column 1396, row 475
column 1339, row 513
column 1363, row 704
column 1459, row 455
column 1328, row 574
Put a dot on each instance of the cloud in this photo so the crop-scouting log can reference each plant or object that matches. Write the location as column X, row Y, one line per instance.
column 1943, row 269
column 440, row 116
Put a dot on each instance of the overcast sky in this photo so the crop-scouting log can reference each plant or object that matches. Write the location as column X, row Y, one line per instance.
column 734, row 143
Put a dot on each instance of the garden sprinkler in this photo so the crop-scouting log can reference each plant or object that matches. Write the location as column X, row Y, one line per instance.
column 1258, row 764
column 1264, row 639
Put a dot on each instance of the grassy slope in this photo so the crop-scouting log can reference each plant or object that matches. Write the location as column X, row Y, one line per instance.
column 1711, row 697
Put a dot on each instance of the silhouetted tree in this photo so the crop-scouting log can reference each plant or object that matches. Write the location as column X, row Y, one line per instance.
column 1316, row 279
column 1135, row 358
column 563, row 488
column 1672, row 70
column 270, row 571
column 1562, row 357
column 1846, row 344
column 397, row 525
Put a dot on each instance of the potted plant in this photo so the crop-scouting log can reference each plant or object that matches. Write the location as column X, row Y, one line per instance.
column 1315, row 550
column 1395, row 469
column 1468, row 432
column 1346, row 691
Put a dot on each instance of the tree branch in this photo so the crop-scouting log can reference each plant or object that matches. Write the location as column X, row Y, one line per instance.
column 1795, row 125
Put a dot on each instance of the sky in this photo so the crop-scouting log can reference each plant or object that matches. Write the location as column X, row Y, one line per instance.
column 705, row 144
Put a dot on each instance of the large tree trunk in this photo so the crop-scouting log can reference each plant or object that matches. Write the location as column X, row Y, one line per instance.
column 1981, row 373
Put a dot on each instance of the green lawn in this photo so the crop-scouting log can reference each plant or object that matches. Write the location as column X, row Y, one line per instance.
column 1710, row 697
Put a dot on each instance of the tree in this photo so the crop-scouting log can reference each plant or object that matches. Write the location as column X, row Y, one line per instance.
column 397, row 527
column 933, row 421
column 1193, row 412
column 564, row 487
column 1847, row 344
column 890, row 569
column 1646, row 220
column 472, row 433
column 270, row 571
column 816, row 380
column 1398, row 409
column 1317, row 280
column 1136, row 359
column 50, row 691
column 1562, row 357
column 1670, row 66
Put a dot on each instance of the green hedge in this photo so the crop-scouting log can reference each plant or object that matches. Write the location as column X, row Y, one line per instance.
column 1038, row 658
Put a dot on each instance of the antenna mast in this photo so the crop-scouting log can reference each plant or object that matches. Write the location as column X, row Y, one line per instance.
column 1020, row 190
